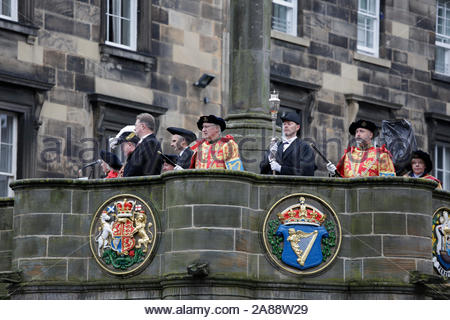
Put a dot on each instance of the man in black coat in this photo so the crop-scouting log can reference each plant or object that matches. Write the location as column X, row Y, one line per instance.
column 181, row 139
column 145, row 159
column 292, row 156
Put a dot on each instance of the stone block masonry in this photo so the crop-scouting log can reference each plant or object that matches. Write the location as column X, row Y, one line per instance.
column 216, row 217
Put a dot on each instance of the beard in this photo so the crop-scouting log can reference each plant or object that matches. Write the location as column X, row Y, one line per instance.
column 361, row 143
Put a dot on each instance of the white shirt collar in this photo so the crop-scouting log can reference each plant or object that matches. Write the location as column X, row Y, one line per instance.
column 142, row 139
column 182, row 151
column 288, row 142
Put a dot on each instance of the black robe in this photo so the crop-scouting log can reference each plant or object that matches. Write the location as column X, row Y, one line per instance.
column 145, row 159
column 184, row 160
column 297, row 159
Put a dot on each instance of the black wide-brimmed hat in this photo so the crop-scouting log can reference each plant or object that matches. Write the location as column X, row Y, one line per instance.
column 425, row 157
column 211, row 119
column 291, row 116
column 111, row 159
column 172, row 157
column 365, row 124
column 186, row 134
column 128, row 136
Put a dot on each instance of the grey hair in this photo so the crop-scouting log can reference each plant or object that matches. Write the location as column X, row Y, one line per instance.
column 147, row 119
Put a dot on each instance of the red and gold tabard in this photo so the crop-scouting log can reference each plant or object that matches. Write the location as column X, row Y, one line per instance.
column 425, row 176
column 222, row 154
column 369, row 162
column 430, row 177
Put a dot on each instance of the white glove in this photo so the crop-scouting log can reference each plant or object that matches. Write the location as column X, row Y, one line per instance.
column 331, row 168
column 177, row 167
column 113, row 143
column 275, row 166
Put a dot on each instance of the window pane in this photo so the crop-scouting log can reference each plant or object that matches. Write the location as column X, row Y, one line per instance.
column 6, row 133
column 115, row 7
column 362, row 5
column 372, row 6
column 5, row 158
column 440, row 156
column 440, row 26
column 114, row 29
column 442, row 60
column 443, row 18
column 6, row 8
column 369, row 36
column 3, row 186
column 366, row 31
column 126, row 32
column 361, row 34
column 279, row 18
column 447, row 159
column 126, row 9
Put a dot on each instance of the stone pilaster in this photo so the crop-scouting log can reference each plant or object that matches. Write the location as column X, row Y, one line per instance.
column 248, row 119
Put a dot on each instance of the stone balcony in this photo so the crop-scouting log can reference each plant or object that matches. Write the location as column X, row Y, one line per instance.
column 216, row 217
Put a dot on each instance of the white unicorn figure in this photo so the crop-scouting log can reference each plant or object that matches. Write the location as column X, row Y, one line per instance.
column 105, row 232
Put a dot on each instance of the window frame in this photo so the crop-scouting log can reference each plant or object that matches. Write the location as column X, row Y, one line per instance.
column 14, row 11
column 441, row 44
column 133, row 26
column 13, row 174
column 294, row 8
column 375, row 51
column 445, row 164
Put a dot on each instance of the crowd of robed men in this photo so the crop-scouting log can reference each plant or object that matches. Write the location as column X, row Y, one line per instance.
column 289, row 156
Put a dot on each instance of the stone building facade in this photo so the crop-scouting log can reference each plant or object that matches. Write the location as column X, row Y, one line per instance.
column 68, row 81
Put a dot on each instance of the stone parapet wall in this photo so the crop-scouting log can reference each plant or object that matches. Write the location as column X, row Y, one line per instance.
column 216, row 217
column 6, row 237
column 6, row 233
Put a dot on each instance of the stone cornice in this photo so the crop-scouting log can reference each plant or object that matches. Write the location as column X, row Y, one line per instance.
column 124, row 103
column 219, row 174
column 378, row 102
column 25, row 82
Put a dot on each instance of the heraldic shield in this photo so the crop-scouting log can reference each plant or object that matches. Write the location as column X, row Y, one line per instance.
column 302, row 234
column 441, row 241
column 123, row 235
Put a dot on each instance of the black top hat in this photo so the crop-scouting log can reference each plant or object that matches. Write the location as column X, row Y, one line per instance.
column 211, row 119
column 425, row 157
column 365, row 124
column 128, row 136
column 291, row 116
column 186, row 134
column 172, row 157
column 111, row 159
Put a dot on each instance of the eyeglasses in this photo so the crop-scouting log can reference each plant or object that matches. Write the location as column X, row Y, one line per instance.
column 209, row 126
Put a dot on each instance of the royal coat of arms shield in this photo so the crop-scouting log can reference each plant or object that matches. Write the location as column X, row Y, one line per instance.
column 441, row 241
column 123, row 235
column 302, row 234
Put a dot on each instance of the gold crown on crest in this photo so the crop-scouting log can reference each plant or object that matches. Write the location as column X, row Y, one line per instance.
column 124, row 207
column 301, row 213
